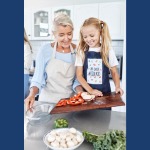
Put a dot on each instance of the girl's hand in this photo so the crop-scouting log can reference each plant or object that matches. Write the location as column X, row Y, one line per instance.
column 119, row 90
column 96, row 92
column 29, row 101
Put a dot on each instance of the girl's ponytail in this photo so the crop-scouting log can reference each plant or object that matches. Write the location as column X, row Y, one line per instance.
column 105, row 42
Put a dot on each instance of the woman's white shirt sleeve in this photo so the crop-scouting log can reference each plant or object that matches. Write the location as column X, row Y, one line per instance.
column 27, row 58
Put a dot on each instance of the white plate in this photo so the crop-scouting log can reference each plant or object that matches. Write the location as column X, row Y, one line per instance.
column 61, row 130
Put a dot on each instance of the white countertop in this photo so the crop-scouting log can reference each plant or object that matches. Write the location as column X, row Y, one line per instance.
column 95, row 121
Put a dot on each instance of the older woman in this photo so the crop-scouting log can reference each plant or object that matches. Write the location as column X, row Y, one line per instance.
column 54, row 75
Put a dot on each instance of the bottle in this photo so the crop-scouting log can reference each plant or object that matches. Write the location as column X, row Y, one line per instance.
column 32, row 68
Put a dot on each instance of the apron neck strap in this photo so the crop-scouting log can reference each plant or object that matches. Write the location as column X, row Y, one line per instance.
column 54, row 50
column 55, row 47
column 72, row 50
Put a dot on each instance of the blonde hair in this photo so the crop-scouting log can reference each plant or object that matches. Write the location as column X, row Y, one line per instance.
column 61, row 19
column 26, row 39
column 105, row 39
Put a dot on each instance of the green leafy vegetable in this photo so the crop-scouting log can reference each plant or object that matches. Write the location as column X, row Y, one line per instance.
column 90, row 137
column 112, row 140
column 61, row 123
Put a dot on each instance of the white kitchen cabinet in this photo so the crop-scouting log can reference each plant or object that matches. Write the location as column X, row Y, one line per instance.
column 41, row 24
column 63, row 9
column 113, row 14
column 38, row 23
column 28, row 22
column 83, row 12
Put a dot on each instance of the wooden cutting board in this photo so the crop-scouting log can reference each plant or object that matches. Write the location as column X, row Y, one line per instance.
column 107, row 101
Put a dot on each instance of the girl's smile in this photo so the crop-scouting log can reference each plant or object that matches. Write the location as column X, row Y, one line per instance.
column 91, row 36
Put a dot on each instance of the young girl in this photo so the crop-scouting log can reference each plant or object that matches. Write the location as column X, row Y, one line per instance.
column 95, row 58
column 27, row 63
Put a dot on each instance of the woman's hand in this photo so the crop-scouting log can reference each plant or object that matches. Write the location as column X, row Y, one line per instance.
column 79, row 89
column 119, row 90
column 96, row 92
column 29, row 101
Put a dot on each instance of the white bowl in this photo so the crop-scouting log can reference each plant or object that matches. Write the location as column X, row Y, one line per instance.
column 62, row 130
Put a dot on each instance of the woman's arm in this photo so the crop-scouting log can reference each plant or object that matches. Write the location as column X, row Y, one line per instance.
column 38, row 80
column 79, row 74
column 77, row 87
column 42, row 58
column 29, row 101
column 116, row 79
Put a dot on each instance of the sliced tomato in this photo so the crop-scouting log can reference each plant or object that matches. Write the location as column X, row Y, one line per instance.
column 79, row 94
column 76, row 101
column 62, row 102
column 68, row 102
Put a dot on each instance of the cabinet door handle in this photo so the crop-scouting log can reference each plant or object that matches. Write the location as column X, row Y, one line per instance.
column 48, row 34
column 29, row 35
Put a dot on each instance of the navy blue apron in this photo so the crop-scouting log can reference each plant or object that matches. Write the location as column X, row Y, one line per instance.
column 104, row 85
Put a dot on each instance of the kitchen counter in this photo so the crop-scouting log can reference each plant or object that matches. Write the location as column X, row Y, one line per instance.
column 96, row 121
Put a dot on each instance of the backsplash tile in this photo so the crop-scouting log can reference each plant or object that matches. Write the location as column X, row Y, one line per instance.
column 115, row 43
column 36, row 45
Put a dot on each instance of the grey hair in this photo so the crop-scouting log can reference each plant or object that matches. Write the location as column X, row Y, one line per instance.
column 61, row 19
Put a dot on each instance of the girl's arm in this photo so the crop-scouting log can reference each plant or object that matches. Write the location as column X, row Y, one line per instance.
column 116, row 79
column 79, row 74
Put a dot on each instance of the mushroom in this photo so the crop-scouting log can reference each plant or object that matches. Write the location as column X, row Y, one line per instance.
column 53, row 132
column 58, row 138
column 70, row 143
column 84, row 93
column 74, row 141
column 50, row 138
column 68, row 138
column 55, row 144
column 87, row 97
column 73, row 130
column 78, row 138
column 63, row 145
column 63, row 135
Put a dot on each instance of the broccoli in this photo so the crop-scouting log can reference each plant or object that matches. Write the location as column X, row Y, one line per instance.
column 111, row 140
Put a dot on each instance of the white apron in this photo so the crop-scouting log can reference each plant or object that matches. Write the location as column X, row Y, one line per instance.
column 60, row 76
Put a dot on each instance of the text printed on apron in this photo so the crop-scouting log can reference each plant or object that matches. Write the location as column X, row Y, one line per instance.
column 94, row 71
